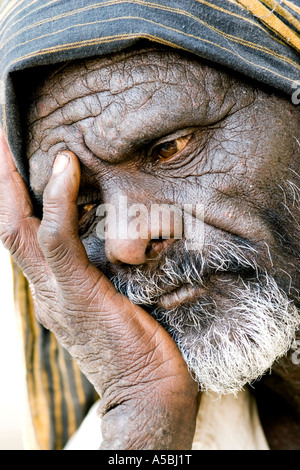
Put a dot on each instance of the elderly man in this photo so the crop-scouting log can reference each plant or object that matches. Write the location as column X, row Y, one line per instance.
column 161, row 309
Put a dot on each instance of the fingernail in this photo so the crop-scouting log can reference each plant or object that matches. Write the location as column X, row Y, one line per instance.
column 60, row 164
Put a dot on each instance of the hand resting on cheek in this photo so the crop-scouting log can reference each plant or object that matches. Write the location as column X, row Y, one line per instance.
column 148, row 398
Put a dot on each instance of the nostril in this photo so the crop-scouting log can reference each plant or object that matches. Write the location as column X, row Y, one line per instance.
column 157, row 245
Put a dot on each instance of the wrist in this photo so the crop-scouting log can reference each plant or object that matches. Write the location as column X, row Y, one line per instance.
column 150, row 420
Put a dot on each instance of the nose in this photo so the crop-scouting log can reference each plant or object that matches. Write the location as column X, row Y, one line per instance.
column 140, row 232
column 126, row 251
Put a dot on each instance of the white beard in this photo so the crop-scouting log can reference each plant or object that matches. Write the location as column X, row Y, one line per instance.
column 259, row 328
column 229, row 341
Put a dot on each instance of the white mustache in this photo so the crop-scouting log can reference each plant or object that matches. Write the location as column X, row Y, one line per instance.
column 188, row 268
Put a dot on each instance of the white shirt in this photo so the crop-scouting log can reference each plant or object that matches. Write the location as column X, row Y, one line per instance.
column 226, row 423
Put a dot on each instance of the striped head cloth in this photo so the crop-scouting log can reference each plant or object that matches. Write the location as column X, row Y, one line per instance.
column 259, row 39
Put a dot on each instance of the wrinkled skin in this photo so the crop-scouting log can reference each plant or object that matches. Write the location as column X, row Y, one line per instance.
column 238, row 149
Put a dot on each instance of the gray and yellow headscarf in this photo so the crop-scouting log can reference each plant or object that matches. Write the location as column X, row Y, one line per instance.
column 258, row 39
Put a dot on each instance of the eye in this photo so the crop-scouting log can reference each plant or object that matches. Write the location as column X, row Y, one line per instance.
column 83, row 210
column 86, row 218
column 166, row 150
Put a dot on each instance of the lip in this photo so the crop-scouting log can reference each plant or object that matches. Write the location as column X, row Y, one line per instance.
column 186, row 293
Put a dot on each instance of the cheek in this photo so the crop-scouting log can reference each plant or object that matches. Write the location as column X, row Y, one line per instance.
column 249, row 163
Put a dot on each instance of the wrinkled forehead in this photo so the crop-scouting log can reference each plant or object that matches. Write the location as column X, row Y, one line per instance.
column 118, row 103
column 156, row 84
column 146, row 67
column 113, row 110
column 112, row 107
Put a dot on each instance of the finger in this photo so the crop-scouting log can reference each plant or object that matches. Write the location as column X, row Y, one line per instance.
column 58, row 233
column 18, row 225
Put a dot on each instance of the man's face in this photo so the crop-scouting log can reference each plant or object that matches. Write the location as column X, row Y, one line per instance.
column 155, row 127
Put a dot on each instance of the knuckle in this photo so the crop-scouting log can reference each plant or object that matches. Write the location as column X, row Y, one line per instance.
column 10, row 237
column 55, row 246
column 49, row 235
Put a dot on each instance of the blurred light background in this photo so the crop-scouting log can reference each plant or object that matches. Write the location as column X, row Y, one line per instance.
column 11, row 379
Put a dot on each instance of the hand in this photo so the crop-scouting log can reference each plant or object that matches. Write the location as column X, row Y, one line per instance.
column 148, row 399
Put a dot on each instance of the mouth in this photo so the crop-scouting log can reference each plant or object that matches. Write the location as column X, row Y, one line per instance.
column 183, row 294
column 213, row 285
